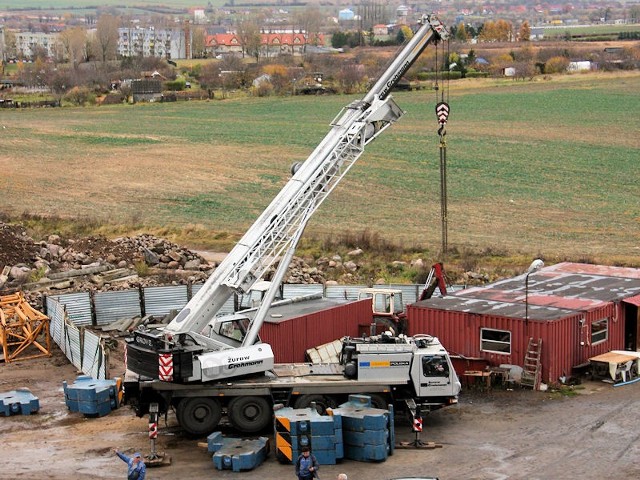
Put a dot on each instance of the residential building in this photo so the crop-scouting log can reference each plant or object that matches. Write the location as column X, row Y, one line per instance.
column 272, row 44
column 152, row 42
column 27, row 44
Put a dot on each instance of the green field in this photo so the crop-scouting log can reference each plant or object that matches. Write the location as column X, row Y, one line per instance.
column 538, row 168
column 45, row 5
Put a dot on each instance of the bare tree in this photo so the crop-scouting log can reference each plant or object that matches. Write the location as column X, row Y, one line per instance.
column 248, row 31
column 106, row 39
column 525, row 32
column 198, row 42
column 74, row 43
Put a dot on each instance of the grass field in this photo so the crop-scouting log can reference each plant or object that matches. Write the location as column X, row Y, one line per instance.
column 45, row 5
column 534, row 168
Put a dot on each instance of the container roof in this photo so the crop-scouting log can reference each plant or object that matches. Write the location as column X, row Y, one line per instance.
column 552, row 292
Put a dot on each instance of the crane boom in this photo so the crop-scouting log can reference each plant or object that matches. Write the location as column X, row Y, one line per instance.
column 276, row 229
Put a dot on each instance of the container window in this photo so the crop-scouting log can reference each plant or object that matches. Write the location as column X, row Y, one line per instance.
column 496, row 341
column 599, row 330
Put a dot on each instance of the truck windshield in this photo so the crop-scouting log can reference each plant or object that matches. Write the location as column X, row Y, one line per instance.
column 435, row 366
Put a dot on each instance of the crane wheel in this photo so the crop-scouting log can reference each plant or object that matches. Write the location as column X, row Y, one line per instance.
column 250, row 414
column 378, row 401
column 199, row 415
column 322, row 402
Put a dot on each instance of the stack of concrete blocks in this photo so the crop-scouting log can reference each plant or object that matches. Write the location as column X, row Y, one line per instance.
column 235, row 453
column 305, row 427
column 91, row 397
column 18, row 402
column 368, row 433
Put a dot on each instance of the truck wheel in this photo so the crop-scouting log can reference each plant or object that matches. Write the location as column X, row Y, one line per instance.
column 378, row 401
column 322, row 402
column 250, row 414
column 199, row 415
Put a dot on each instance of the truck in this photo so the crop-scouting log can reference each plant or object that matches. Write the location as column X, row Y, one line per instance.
column 387, row 304
column 204, row 365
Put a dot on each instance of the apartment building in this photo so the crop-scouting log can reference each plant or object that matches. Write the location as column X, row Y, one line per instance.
column 152, row 42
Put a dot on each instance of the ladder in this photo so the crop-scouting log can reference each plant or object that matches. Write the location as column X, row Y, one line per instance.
column 532, row 364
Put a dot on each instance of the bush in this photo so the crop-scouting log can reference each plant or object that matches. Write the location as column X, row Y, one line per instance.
column 176, row 85
column 80, row 96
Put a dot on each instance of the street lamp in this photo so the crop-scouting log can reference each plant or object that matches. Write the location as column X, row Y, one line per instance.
column 536, row 265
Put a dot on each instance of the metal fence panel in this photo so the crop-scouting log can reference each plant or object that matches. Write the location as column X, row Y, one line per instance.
column 293, row 290
column 93, row 358
column 72, row 344
column 344, row 292
column 78, row 307
column 161, row 300
column 55, row 312
column 112, row 306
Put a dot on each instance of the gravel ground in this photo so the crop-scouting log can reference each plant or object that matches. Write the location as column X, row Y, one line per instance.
column 502, row 434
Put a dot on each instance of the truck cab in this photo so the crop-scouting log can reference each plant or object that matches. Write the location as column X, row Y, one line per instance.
column 387, row 309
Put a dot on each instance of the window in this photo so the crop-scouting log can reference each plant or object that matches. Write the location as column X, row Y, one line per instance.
column 599, row 330
column 497, row 341
column 233, row 329
column 435, row 366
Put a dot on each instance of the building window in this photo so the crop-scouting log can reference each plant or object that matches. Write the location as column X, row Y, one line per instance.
column 599, row 330
column 496, row 341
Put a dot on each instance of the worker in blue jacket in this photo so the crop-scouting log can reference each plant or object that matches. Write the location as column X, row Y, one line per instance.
column 307, row 465
column 137, row 469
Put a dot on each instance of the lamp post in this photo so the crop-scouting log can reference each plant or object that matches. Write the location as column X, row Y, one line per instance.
column 536, row 265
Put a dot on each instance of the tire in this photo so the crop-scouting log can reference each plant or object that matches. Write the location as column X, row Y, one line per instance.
column 250, row 414
column 199, row 415
column 378, row 401
column 322, row 402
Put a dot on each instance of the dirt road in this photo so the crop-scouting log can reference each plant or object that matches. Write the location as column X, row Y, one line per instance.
column 502, row 434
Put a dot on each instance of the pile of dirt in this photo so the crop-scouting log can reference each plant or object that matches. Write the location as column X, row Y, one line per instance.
column 16, row 246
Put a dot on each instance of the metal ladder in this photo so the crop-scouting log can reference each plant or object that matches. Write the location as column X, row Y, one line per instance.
column 532, row 364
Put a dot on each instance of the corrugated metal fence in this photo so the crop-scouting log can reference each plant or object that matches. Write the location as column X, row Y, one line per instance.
column 84, row 349
column 71, row 312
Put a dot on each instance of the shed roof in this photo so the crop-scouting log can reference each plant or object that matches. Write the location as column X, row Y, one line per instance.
column 553, row 292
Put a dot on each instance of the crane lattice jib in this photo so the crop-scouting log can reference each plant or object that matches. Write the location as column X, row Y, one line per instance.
column 278, row 227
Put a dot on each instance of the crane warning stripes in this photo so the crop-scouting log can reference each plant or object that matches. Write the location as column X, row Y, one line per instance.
column 442, row 112
column 284, row 450
column 165, row 367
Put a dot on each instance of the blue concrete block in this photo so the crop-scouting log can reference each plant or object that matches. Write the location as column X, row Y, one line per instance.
column 215, row 442
column 237, row 454
column 95, row 409
column 368, row 437
column 325, row 457
column 92, row 397
column 323, row 442
column 18, row 402
column 366, row 453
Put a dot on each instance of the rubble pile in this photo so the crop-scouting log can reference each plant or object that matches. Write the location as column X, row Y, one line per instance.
column 95, row 263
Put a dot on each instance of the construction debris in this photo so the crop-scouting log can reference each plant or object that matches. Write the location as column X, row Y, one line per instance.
column 22, row 327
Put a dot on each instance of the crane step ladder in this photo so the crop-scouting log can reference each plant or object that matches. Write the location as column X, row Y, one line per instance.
column 532, row 364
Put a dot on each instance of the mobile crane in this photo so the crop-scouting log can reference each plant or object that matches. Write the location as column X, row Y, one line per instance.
column 203, row 364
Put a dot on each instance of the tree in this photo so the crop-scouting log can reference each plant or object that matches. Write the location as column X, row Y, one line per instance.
column 525, row 32
column 106, row 38
column 74, row 43
column 198, row 42
column 461, row 33
column 310, row 21
column 556, row 65
column 248, row 32
column 404, row 34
